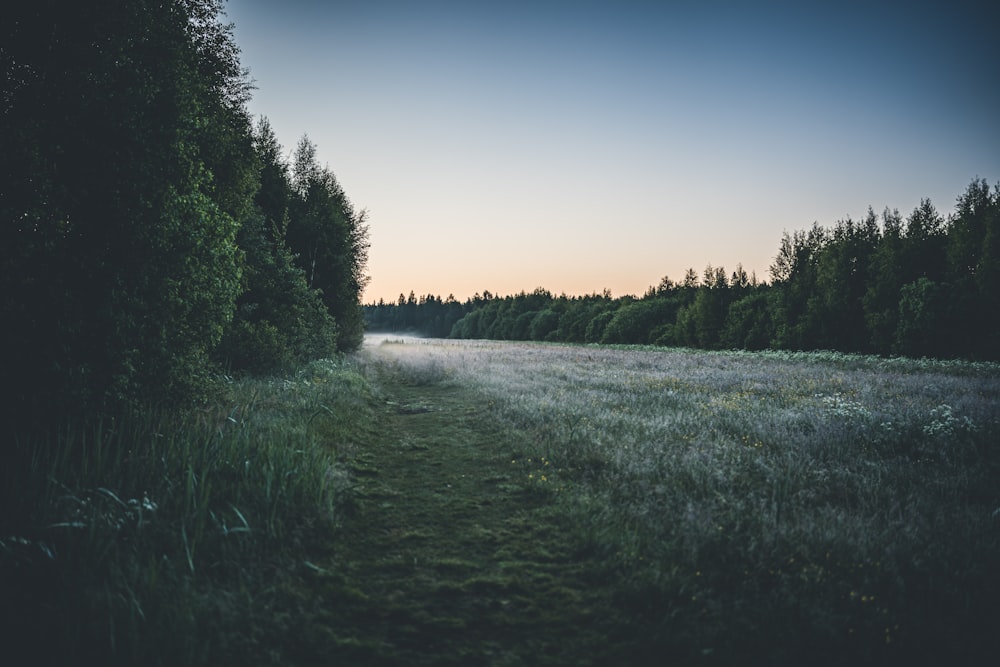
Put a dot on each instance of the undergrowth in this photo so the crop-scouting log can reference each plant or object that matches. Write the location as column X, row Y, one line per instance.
column 166, row 539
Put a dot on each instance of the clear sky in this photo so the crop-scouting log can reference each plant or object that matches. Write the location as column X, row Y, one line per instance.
column 579, row 146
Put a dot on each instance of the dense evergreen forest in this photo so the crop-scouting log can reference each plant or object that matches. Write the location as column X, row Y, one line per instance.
column 153, row 233
column 924, row 285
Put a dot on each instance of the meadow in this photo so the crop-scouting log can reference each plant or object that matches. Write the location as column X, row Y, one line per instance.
column 759, row 507
column 438, row 502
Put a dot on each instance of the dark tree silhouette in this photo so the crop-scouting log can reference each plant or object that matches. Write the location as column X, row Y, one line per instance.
column 924, row 287
column 125, row 168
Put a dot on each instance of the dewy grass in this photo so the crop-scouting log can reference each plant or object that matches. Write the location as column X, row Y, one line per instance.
column 822, row 505
column 148, row 541
column 437, row 502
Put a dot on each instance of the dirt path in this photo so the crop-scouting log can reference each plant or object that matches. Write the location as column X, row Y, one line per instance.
column 454, row 555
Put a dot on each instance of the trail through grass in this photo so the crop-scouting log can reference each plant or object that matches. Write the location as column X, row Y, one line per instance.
column 530, row 504
column 454, row 556
column 440, row 503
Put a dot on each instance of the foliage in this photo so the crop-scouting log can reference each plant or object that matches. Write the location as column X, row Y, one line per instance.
column 148, row 540
column 330, row 242
column 921, row 286
column 126, row 166
column 280, row 322
column 139, row 211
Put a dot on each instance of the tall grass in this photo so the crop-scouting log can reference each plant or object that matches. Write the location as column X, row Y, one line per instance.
column 156, row 539
column 763, row 507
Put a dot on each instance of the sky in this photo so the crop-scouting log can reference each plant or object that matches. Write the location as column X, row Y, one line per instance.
column 583, row 146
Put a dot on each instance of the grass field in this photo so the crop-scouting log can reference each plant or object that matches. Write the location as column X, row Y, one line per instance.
column 430, row 502
column 770, row 507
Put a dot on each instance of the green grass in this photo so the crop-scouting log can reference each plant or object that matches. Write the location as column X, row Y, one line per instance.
column 156, row 540
column 770, row 508
column 436, row 503
column 453, row 556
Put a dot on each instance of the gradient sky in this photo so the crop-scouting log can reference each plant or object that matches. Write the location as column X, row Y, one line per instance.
column 579, row 146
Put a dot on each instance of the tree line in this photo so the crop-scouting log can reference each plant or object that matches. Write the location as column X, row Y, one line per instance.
column 923, row 285
column 151, row 233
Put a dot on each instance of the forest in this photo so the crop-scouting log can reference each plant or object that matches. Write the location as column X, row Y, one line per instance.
column 162, row 261
column 153, row 233
column 921, row 286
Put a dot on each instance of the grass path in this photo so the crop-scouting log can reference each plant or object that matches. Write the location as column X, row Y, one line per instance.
column 452, row 555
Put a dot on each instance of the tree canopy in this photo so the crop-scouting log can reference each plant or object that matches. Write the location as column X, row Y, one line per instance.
column 140, row 211
column 924, row 285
